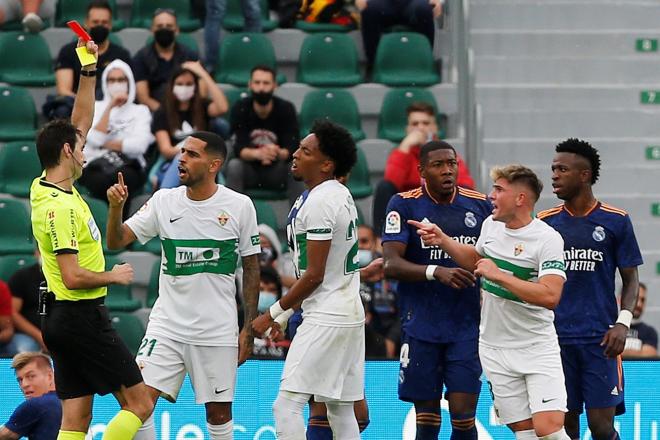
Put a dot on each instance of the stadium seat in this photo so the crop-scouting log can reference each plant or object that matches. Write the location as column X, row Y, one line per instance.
column 265, row 214
column 235, row 94
column 234, row 21
column 99, row 210
column 311, row 27
column 21, row 122
column 239, row 53
column 360, row 215
column 77, row 10
column 265, row 194
column 187, row 39
column 142, row 13
column 393, row 119
column 11, row 263
column 19, row 165
column 152, row 246
column 26, row 60
column 328, row 60
column 152, row 289
column 120, row 297
column 15, row 227
column 130, row 329
column 358, row 181
column 405, row 59
column 337, row 105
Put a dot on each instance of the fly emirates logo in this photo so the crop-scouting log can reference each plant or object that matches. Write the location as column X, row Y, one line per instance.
column 438, row 254
column 582, row 259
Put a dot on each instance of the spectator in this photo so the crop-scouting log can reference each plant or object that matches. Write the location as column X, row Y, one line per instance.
column 271, row 256
column 266, row 129
column 215, row 13
column 6, row 324
column 184, row 111
column 270, row 291
column 154, row 64
column 642, row 339
column 402, row 167
column 380, row 14
column 31, row 13
column 24, row 287
column 98, row 23
column 39, row 417
column 120, row 135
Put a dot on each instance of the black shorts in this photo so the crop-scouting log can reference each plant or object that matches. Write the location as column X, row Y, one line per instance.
column 88, row 354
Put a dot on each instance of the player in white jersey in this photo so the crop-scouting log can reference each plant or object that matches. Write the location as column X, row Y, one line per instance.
column 326, row 358
column 521, row 264
column 204, row 228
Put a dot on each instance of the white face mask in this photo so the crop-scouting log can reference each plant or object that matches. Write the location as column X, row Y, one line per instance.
column 183, row 93
column 116, row 88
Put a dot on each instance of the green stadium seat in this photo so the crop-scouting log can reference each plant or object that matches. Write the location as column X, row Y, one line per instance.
column 329, row 60
column 360, row 215
column 234, row 21
column 266, row 214
column 11, row 263
column 358, row 181
column 21, row 122
column 15, row 227
column 310, row 27
column 26, row 60
column 152, row 289
column 338, row 106
column 393, row 119
column 130, row 329
column 265, row 194
column 67, row 10
column 142, row 13
column 120, row 297
column 235, row 94
column 152, row 246
column 405, row 59
column 99, row 210
column 239, row 53
column 187, row 39
column 19, row 165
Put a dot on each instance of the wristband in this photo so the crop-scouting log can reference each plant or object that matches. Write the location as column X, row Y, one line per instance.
column 430, row 269
column 283, row 319
column 625, row 318
column 276, row 310
column 88, row 72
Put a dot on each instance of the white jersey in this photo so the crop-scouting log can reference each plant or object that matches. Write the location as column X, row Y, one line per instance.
column 528, row 253
column 328, row 212
column 201, row 243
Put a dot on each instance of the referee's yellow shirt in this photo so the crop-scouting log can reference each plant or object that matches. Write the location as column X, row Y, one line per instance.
column 62, row 223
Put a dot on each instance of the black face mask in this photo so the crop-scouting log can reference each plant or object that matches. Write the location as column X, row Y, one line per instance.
column 262, row 98
column 164, row 37
column 99, row 34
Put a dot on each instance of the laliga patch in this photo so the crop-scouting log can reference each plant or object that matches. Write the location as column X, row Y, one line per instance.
column 393, row 223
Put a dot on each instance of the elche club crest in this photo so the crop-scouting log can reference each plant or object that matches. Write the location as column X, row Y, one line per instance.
column 223, row 218
column 598, row 234
column 518, row 249
column 470, row 220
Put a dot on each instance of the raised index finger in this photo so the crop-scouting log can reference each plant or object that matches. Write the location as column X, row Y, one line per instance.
column 417, row 224
column 120, row 179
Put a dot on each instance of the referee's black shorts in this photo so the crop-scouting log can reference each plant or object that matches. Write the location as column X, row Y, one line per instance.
column 88, row 354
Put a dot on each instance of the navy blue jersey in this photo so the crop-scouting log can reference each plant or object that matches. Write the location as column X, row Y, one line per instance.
column 37, row 418
column 595, row 245
column 430, row 310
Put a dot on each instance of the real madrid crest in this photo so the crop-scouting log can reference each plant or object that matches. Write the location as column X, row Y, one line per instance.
column 470, row 220
column 518, row 249
column 223, row 218
column 598, row 234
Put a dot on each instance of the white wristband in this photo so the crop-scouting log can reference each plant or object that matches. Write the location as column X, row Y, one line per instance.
column 625, row 318
column 430, row 269
column 283, row 319
column 276, row 310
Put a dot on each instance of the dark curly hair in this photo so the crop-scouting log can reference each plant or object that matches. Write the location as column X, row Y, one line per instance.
column 336, row 143
column 584, row 149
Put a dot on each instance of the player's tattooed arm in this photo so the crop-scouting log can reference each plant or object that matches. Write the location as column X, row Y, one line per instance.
column 614, row 340
column 251, row 299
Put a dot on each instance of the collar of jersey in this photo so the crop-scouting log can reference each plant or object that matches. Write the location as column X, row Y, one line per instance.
column 44, row 182
column 428, row 193
column 592, row 209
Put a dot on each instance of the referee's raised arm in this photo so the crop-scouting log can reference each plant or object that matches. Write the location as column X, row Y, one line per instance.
column 83, row 107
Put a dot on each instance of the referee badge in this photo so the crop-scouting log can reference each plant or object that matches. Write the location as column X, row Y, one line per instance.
column 518, row 249
column 223, row 218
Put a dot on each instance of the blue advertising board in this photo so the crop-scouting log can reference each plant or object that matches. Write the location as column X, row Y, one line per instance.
column 257, row 388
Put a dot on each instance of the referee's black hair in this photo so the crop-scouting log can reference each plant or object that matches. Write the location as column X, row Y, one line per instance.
column 584, row 149
column 432, row 146
column 51, row 140
column 336, row 143
column 214, row 143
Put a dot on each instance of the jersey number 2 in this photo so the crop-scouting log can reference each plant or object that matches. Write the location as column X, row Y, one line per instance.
column 352, row 261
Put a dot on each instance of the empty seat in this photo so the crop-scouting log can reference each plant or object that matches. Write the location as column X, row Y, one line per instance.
column 339, row 106
column 120, row 297
column 154, row 279
column 405, row 59
column 21, row 122
column 15, row 227
column 235, row 94
column 19, row 165
column 26, row 60
column 130, row 329
column 358, row 182
column 77, row 10
column 239, row 53
column 393, row 119
column 265, row 214
column 142, row 13
column 235, row 22
column 329, row 60
column 9, row 264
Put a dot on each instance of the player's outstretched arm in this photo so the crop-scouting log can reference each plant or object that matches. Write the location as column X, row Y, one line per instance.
column 464, row 255
column 614, row 340
column 251, row 299
column 83, row 107
column 118, row 235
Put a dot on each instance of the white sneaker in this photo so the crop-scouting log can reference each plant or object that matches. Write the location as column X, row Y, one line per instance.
column 32, row 23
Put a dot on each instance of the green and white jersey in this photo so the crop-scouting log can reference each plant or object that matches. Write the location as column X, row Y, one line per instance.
column 528, row 253
column 329, row 213
column 201, row 243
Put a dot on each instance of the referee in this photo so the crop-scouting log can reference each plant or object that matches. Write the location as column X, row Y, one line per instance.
column 89, row 356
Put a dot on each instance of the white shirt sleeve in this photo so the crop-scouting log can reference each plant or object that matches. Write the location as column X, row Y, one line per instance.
column 482, row 236
column 551, row 256
column 320, row 219
column 144, row 223
column 248, row 238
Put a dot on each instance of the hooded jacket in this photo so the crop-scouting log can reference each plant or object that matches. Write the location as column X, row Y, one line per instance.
column 131, row 123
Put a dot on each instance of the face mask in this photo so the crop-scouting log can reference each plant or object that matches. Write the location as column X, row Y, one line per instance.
column 266, row 299
column 99, row 34
column 262, row 98
column 117, row 87
column 164, row 37
column 266, row 256
column 184, row 93
column 365, row 256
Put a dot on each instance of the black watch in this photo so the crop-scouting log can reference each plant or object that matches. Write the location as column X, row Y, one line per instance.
column 88, row 72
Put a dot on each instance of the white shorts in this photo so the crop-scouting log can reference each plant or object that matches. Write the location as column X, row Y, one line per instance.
column 212, row 370
column 524, row 381
column 327, row 362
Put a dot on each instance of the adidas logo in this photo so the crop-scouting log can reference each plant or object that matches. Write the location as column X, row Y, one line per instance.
column 615, row 391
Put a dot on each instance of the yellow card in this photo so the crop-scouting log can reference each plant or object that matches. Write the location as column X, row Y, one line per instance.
column 85, row 57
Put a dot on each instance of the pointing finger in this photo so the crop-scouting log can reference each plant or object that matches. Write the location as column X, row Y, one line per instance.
column 120, row 178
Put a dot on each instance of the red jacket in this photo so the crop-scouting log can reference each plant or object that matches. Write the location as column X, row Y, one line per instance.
column 401, row 170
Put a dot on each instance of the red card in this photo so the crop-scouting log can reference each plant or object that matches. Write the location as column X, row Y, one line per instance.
column 75, row 27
